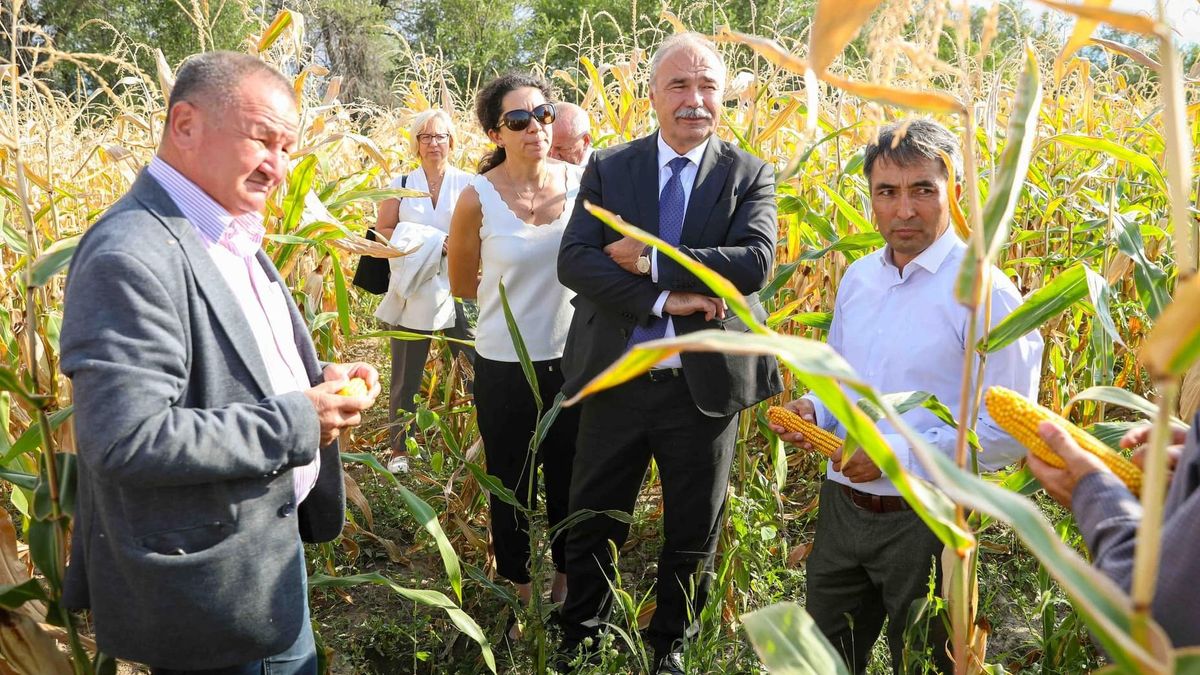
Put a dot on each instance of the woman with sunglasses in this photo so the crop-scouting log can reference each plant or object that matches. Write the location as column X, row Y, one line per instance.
column 506, row 229
column 418, row 299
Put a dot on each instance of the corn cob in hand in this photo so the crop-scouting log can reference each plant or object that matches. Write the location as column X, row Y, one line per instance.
column 822, row 441
column 1020, row 417
column 356, row 387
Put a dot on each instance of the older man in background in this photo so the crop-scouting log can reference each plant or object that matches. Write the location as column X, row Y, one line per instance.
column 207, row 429
column 572, row 138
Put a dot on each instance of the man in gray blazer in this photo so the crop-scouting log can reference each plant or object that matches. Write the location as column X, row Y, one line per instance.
column 206, row 427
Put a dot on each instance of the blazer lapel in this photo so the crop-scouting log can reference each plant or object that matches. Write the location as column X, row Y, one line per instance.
column 710, row 179
column 209, row 281
column 643, row 172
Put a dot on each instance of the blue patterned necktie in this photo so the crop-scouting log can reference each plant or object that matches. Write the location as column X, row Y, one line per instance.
column 670, row 227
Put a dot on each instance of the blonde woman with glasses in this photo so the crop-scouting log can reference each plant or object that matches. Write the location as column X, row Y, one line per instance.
column 418, row 299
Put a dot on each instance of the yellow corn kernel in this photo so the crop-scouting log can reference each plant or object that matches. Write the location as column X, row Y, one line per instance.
column 822, row 441
column 356, row 387
column 1020, row 417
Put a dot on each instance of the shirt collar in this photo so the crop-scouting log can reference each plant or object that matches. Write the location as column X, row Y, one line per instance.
column 241, row 234
column 666, row 153
column 930, row 259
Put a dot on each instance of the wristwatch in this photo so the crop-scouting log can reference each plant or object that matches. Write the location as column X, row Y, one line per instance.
column 643, row 261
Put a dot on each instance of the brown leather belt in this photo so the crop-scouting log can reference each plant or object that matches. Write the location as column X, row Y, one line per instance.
column 875, row 503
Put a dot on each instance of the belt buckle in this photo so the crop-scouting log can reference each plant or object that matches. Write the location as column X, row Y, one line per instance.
column 662, row 374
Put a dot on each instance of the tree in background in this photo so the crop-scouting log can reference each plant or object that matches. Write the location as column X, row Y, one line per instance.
column 354, row 39
column 477, row 39
column 561, row 31
column 125, row 28
column 365, row 41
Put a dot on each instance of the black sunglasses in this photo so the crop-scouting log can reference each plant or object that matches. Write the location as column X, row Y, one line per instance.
column 518, row 120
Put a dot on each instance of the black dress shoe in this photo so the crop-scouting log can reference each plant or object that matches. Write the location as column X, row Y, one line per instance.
column 670, row 663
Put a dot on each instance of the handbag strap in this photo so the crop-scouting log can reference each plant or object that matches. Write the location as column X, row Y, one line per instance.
column 403, row 184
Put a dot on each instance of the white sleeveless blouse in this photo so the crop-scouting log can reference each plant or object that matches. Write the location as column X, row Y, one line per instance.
column 525, row 258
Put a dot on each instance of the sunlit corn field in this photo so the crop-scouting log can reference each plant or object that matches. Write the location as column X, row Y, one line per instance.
column 1079, row 184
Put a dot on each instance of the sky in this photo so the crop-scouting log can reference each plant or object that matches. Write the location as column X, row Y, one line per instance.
column 1183, row 15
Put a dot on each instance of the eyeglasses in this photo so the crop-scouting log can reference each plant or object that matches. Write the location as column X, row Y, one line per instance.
column 430, row 139
column 518, row 120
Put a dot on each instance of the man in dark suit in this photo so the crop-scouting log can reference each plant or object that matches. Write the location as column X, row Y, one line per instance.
column 716, row 203
column 206, row 427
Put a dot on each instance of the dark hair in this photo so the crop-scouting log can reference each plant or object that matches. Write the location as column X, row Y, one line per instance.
column 909, row 141
column 212, row 78
column 489, row 106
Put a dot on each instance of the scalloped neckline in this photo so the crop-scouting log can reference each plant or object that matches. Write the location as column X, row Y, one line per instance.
column 492, row 187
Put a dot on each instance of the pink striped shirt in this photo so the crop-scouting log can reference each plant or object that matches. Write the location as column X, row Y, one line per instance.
column 232, row 242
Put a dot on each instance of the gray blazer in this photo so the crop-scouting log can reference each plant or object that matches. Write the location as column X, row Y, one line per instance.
column 1108, row 516
column 187, row 539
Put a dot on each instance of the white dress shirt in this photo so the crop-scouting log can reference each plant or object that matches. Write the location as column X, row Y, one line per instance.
column 907, row 333
column 687, row 176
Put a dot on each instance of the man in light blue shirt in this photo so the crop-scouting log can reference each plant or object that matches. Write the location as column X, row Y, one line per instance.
column 896, row 321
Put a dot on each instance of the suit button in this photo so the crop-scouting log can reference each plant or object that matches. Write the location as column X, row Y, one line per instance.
column 287, row 510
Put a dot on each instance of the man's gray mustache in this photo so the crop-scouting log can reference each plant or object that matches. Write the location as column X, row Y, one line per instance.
column 693, row 114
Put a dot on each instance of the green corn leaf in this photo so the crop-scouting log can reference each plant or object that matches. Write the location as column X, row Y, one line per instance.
column 420, row 596
column 514, row 333
column 31, row 439
column 1042, row 305
column 1009, row 177
column 851, row 243
column 1106, row 609
column 1119, row 151
column 719, row 285
column 424, row 514
column 282, row 20
column 341, row 293
column 1174, row 343
column 1120, row 397
column 53, row 260
column 493, row 485
column 1150, row 279
column 13, row 596
column 788, row 642
column 821, row 369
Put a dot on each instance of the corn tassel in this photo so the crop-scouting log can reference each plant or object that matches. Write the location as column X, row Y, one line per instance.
column 1020, row 417
column 822, row 441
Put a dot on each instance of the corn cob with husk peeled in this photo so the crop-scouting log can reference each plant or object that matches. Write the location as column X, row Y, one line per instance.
column 822, row 441
column 1020, row 417
column 356, row 387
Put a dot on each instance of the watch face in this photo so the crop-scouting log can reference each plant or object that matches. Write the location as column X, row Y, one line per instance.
column 643, row 264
